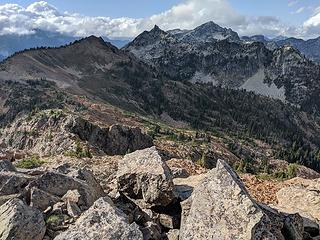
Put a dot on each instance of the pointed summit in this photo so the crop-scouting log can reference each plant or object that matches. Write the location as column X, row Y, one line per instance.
column 156, row 28
column 208, row 32
column 149, row 37
column 210, row 26
column 93, row 39
column 156, row 31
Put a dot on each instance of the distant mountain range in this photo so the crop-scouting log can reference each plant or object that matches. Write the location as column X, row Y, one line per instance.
column 207, row 78
column 12, row 43
column 216, row 55
column 91, row 67
column 207, row 32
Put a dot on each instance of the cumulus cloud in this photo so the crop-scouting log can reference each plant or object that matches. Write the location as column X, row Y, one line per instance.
column 41, row 15
column 186, row 15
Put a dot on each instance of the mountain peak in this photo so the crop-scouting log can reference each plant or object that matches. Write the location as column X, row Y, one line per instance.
column 149, row 37
column 208, row 32
column 156, row 31
column 93, row 39
column 156, row 28
column 210, row 25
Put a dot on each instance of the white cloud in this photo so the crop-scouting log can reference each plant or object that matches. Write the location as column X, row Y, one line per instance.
column 187, row 15
column 311, row 27
column 265, row 25
column 192, row 13
column 19, row 20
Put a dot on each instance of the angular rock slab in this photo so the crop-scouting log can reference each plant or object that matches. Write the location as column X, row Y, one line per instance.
column 221, row 208
column 21, row 222
column 144, row 176
column 42, row 200
column 102, row 221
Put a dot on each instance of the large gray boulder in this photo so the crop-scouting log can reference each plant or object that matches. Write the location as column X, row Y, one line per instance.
column 102, row 221
column 18, row 221
column 58, row 184
column 143, row 176
column 221, row 208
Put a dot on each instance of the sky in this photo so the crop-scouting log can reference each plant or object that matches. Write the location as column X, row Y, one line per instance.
column 128, row 18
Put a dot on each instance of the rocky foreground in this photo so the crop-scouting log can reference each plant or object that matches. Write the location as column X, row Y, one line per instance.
column 149, row 201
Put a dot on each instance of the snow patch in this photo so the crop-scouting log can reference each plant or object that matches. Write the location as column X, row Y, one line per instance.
column 255, row 84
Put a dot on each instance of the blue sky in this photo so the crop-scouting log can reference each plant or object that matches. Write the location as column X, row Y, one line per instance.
column 127, row 18
column 112, row 8
column 145, row 8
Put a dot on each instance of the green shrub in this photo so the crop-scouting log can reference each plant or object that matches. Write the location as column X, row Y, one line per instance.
column 56, row 219
column 29, row 163
column 79, row 152
column 292, row 170
column 245, row 166
column 52, row 219
column 202, row 160
column 281, row 175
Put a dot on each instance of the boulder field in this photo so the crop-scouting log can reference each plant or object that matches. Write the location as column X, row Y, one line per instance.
column 147, row 202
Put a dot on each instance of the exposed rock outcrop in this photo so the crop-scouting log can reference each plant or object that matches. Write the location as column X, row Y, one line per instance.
column 20, row 222
column 116, row 140
column 102, row 221
column 300, row 199
column 144, row 177
column 56, row 132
